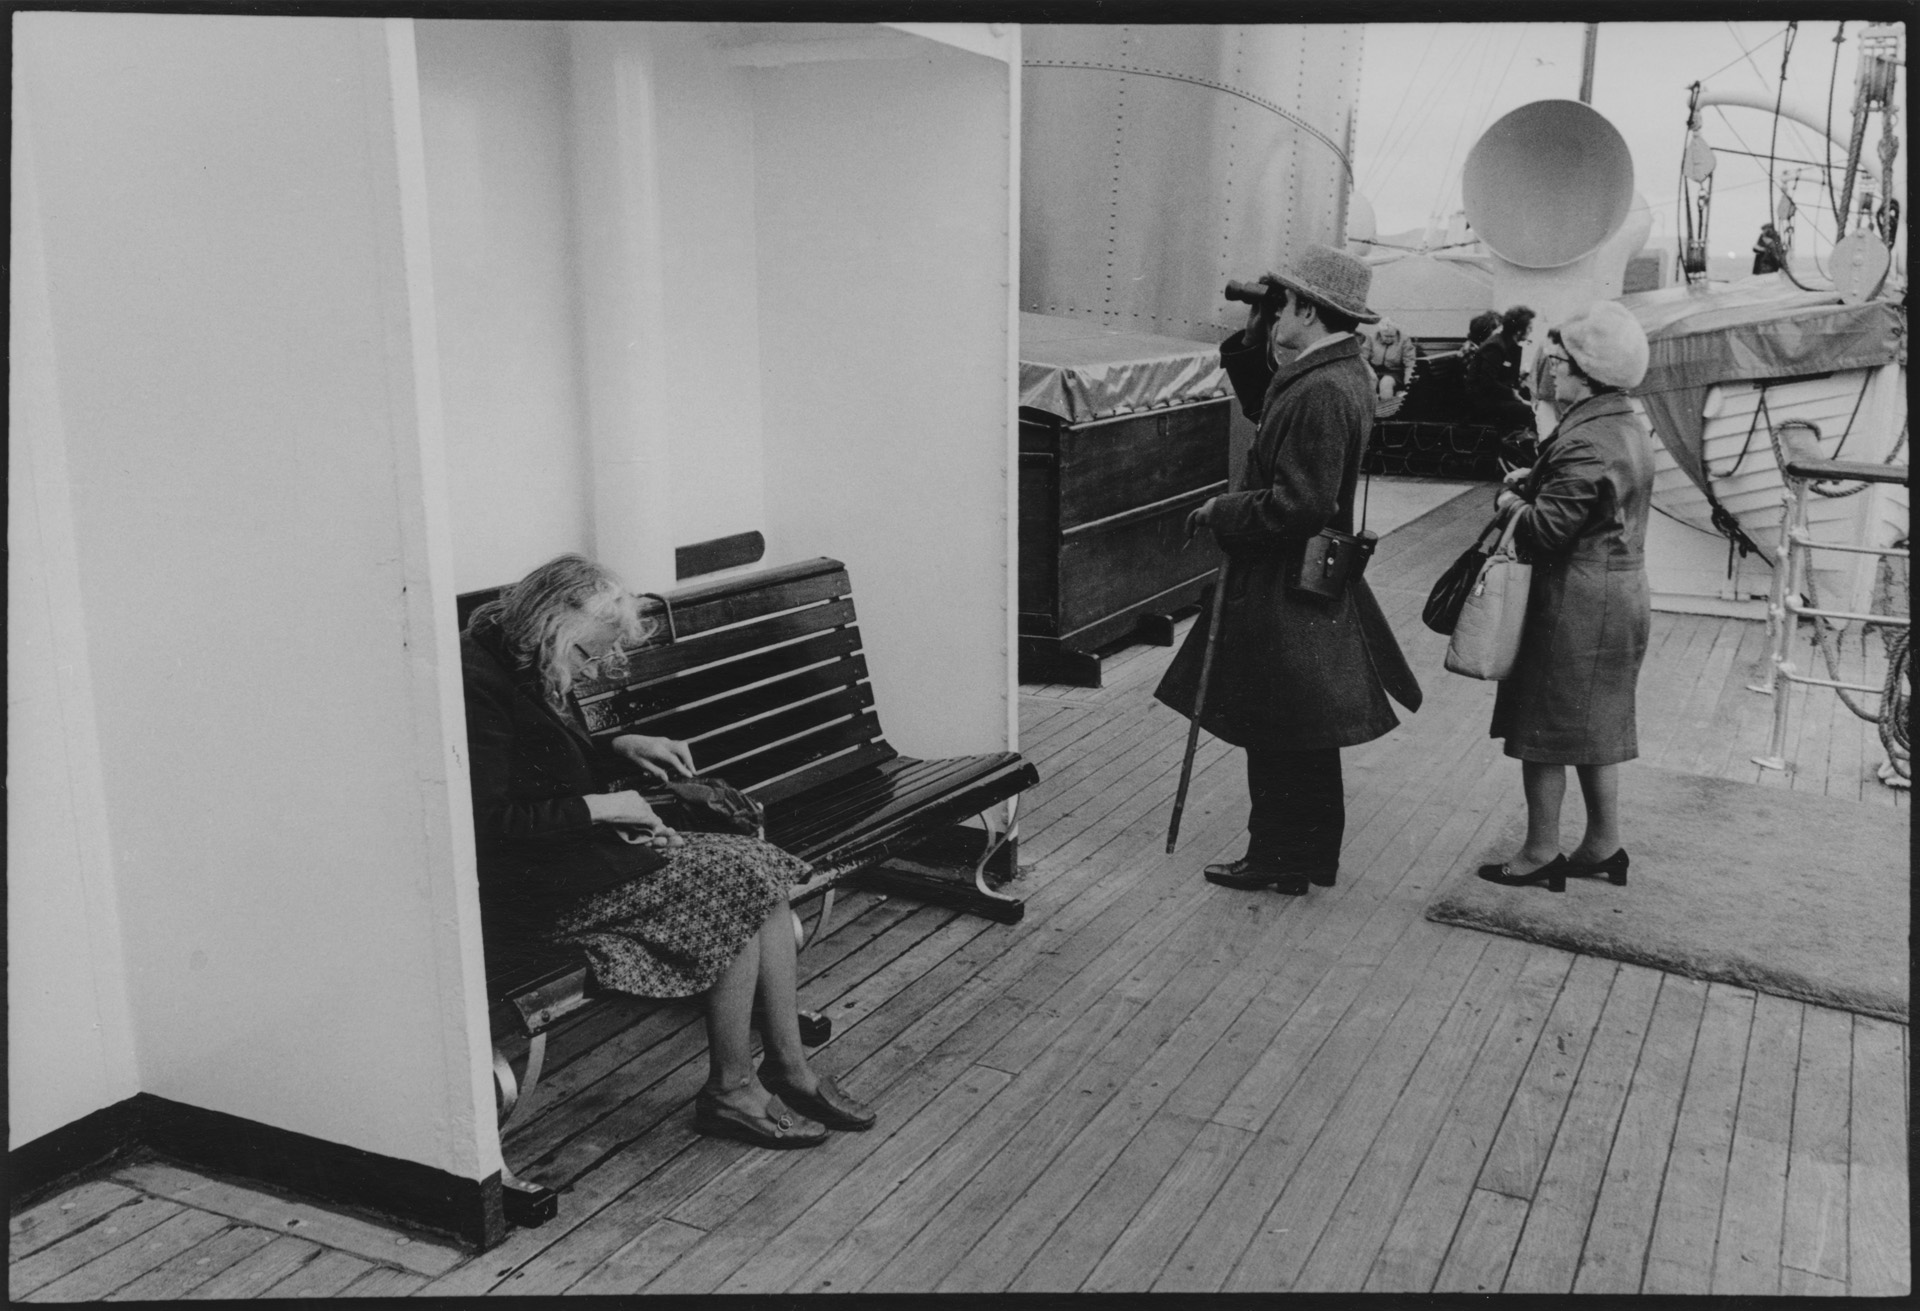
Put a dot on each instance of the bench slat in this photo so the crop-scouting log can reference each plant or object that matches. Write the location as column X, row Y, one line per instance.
column 707, row 606
column 994, row 780
column 730, row 743
column 848, row 673
column 823, row 773
column 639, row 700
column 654, row 663
column 767, row 765
column 856, row 803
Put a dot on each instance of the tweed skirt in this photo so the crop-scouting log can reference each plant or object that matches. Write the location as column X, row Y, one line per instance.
column 674, row 931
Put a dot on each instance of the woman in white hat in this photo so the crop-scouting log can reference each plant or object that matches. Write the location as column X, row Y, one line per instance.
column 1582, row 513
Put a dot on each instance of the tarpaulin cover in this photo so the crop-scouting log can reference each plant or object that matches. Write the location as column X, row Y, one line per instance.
column 1081, row 371
column 1762, row 327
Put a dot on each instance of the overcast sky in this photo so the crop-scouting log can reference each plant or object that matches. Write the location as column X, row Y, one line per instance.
column 1428, row 90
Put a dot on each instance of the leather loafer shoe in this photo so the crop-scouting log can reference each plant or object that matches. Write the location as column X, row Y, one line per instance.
column 1250, row 875
column 778, row 1127
column 827, row 1103
column 1322, row 878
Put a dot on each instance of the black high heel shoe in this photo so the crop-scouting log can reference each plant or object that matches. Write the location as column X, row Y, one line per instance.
column 1553, row 874
column 1613, row 868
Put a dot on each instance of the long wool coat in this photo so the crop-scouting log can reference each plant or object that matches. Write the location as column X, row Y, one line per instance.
column 536, row 845
column 1292, row 672
column 1570, row 698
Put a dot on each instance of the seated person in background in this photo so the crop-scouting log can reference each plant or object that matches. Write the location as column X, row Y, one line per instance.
column 1391, row 355
column 1498, row 396
column 1483, row 326
column 569, row 853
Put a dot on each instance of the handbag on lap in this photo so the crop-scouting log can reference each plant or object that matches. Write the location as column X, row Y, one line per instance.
column 1486, row 636
column 706, row 805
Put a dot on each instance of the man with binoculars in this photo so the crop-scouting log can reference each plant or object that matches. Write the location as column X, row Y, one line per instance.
column 1302, row 660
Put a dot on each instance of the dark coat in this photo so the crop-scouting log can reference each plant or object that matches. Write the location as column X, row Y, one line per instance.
column 1570, row 698
column 1291, row 672
column 531, row 767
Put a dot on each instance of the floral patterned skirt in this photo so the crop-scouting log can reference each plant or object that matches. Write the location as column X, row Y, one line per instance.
column 671, row 933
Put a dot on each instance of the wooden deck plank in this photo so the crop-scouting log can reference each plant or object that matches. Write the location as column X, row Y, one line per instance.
column 282, row 1215
column 1525, row 1137
column 969, row 1227
column 1088, row 1233
column 1220, row 1234
column 1366, row 1211
column 1680, row 1252
column 1446, row 1022
column 1614, row 1256
column 652, row 1250
column 181, row 1274
column 126, row 1262
column 1747, row 1252
column 1476, row 1262
column 116, row 1226
column 853, row 1262
column 1188, row 1012
column 52, row 1219
column 1814, row 1229
column 252, row 1275
column 789, row 1255
column 327, row 1275
column 1548, row 1255
column 1410, row 1257
column 1149, row 1240
column 1696, row 714
column 1799, row 1283
column 385, row 1281
column 1879, row 1253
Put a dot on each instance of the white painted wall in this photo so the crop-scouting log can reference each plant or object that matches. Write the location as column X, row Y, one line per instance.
column 234, row 242
column 496, row 106
column 664, row 163
column 885, row 267
column 69, row 1040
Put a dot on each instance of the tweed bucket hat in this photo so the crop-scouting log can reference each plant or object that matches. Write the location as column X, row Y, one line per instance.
column 1331, row 277
column 1608, row 344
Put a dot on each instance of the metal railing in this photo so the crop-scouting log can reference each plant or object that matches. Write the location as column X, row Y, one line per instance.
column 1791, row 581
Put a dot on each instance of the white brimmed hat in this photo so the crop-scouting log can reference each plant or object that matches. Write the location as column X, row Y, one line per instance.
column 1608, row 344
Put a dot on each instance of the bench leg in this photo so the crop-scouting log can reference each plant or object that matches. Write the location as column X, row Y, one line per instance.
column 997, row 835
column 513, row 1092
column 820, row 921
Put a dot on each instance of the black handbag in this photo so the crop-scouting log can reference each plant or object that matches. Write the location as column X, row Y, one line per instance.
column 708, row 805
column 1450, row 592
column 699, row 805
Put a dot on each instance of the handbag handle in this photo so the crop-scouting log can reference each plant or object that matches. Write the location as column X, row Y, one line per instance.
column 666, row 605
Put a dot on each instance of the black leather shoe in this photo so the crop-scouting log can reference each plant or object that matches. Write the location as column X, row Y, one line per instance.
column 1553, row 874
column 827, row 1103
column 1250, row 875
column 1322, row 878
column 1613, row 869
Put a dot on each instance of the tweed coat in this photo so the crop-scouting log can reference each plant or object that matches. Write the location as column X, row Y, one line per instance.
column 536, row 845
column 1292, row 672
column 1570, row 698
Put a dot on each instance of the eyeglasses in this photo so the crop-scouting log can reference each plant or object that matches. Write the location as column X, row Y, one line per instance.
column 1556, row 357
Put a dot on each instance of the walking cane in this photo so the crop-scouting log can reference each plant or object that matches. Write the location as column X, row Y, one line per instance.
column 1199, row 700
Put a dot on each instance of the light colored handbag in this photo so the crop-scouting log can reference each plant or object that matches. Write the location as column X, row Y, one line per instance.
column 1486, row 639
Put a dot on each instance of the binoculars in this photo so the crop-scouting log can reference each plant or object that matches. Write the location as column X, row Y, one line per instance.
column 1262, row 292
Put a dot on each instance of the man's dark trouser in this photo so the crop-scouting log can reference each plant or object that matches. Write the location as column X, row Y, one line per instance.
column 1299, row 810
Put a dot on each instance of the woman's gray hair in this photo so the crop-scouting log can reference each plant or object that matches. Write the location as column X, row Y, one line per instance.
column 540, row 619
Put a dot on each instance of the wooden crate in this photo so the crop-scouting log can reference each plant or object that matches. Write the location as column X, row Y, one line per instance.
column 1103, row 506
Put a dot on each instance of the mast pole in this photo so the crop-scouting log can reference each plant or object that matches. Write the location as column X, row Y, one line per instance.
column 1586, row 64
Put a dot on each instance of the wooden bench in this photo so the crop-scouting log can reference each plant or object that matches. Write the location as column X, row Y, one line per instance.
column 763, row 675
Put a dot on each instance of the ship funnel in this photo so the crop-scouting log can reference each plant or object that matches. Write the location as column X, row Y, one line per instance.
column 1549, row 191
